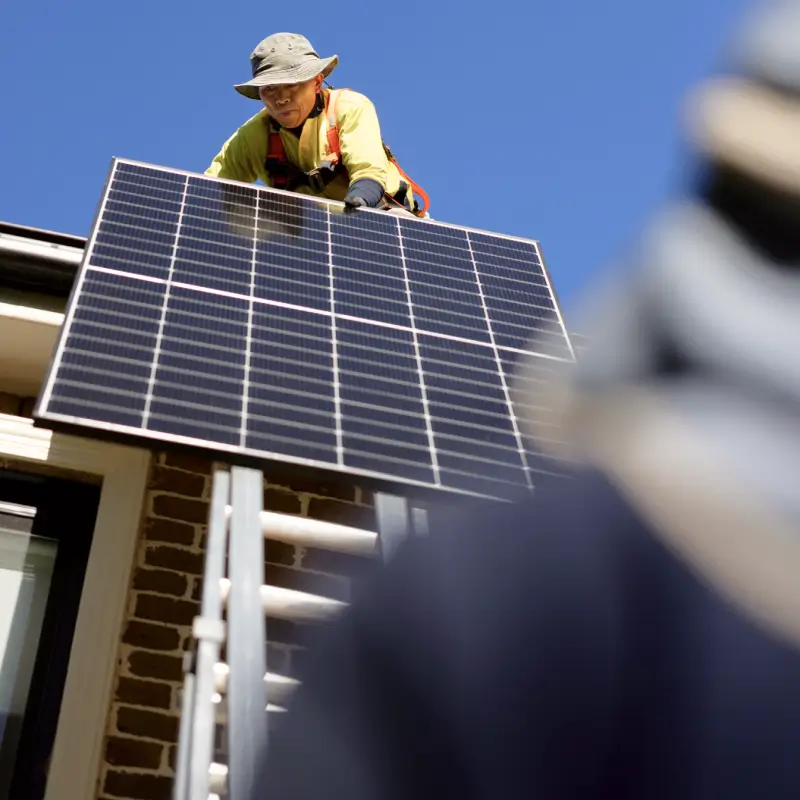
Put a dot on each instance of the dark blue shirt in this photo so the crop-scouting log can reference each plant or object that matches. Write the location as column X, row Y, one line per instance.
column 554, row 649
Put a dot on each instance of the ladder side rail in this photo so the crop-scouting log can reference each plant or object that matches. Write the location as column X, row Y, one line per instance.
column 391, row 512
column 209, row 634
column 246, row 652
column 180, row 787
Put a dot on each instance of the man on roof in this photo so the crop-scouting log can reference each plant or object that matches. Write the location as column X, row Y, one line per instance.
column 309, row 139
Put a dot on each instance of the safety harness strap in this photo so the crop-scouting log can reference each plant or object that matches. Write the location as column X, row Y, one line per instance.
column 286, row 175
column 335, row 148
column 290, row 177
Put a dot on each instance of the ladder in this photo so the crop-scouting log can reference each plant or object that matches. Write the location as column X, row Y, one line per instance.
column 239, row 692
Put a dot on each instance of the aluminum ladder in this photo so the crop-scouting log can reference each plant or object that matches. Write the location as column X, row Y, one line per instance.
column 239, row 691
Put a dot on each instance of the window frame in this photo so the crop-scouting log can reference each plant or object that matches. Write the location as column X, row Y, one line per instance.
column 66, row 511
column 76, row 761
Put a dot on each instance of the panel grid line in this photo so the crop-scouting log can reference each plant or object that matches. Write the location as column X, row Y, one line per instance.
column 203, row 244
column 344, row 237
column 210, row 392
column 323, row 313
column 318, row 201
column 334, row 348
column 249, row 334
column 423, row 391
column 377, row 350
column 258, row 324
column 512, row 415
column 248, row 451
column 162, row 321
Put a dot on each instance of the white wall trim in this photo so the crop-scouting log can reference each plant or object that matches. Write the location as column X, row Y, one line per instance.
column 28, row 337
column 30, row 314
column 78, row 750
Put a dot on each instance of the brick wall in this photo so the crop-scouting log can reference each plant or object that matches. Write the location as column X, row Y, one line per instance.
column 166, row 583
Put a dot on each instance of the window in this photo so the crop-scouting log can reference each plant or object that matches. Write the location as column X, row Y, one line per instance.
column 45, row 534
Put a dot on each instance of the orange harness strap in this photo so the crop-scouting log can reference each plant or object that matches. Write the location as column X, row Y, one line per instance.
column 277, row 162
column 276, row 154
column 334, row 145
column 336, row 153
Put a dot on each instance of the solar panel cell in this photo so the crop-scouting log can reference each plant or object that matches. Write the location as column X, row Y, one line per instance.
column 293, row 440
column 257, row 322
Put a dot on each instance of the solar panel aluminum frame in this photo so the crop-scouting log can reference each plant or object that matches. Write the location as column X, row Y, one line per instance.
column 274, row 462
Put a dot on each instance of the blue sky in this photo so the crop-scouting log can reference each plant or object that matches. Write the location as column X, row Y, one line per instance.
column 556, row 121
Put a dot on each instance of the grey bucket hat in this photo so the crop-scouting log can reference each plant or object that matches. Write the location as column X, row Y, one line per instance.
column 284, row 58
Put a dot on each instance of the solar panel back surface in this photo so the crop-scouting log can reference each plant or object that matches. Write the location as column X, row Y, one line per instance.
column 257, row 323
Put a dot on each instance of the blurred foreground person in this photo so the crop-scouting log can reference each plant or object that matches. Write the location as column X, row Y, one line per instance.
column 634, row 632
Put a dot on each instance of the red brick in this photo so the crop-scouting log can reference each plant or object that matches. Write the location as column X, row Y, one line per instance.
column 165, row 609
column 144, row 693
column 151, row 637
column 343, row 513
column 156, row 665
column 279, row 553
column 174, row 558
column 274, row 552
column 137, row 786
column 122, row 752
column 180, row 508
column 177, row 481
column 150, row 724
column 166, row 530
column 281, row 502
column 309, row 485
column 160, row 581
column 187, row 462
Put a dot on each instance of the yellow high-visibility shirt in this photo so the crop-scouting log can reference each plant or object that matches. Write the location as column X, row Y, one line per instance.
column 242, row 157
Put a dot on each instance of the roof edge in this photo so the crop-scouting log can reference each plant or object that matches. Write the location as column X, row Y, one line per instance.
column 42, row 235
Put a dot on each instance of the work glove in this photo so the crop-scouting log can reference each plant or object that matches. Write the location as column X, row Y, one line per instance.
column 352, row 202
column 363, row 192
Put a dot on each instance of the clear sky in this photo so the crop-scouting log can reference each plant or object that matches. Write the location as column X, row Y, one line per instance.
column 551, row 120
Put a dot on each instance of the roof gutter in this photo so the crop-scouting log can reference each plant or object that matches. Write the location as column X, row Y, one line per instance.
column 30, row 248
column 39, row 262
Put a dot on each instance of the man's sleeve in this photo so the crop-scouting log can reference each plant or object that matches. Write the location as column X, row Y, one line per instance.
column 472, row 666
column 360, row 141
column 234, row 161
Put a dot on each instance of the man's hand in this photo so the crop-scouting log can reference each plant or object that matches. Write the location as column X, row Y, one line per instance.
column 364, row 192
column 352, row 202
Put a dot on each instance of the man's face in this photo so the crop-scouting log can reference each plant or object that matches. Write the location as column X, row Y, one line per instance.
column 291, row 103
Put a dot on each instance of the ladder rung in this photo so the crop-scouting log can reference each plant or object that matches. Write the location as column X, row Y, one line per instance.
column 221, row 716
column 218, row 778
column 314, row 533
column 290, row 604
column 279, row 687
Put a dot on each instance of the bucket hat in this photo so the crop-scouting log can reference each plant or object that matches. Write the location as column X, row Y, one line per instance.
column 284, row 58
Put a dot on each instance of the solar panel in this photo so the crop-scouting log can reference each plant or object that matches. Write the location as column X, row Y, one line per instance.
column 259, row 324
